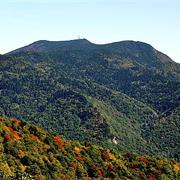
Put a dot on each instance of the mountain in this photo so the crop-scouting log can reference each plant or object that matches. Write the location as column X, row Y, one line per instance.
column 134, row 68
column 77, row 109
column 29, row 152
column 115, row 95
column 52, row 46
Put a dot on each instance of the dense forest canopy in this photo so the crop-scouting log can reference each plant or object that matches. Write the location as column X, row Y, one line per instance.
column 126, row 91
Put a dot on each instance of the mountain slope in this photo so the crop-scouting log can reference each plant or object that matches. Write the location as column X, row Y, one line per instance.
column 29, row 152
column 134, row 68
column 68, row 106
column 112, row 95
column 166, row 134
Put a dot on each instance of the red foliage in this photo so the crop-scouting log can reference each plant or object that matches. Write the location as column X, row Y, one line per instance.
column 59, row 141
column 14, row 133
column 7, row 137
column 100, row 172
column 141, row 175
column 110, row 167
column 144, row 160
column 150, row 178
column 79, row 158
column 134, row 169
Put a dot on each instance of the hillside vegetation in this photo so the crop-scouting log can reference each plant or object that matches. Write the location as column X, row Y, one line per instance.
column 29, row 152
column 135, row 68
column 120, row 95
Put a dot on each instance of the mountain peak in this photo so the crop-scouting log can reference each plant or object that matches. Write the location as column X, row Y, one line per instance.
column 49, row 46
column 141, row 51
column 66, row 41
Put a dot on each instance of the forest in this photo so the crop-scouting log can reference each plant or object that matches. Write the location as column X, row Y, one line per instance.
column 75, row 100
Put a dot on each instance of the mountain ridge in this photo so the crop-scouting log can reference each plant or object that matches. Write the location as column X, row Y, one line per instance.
column 126, row 46
column 125, row 43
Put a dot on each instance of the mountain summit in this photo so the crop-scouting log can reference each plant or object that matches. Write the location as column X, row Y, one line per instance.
column 50, row 46
column 140, row 51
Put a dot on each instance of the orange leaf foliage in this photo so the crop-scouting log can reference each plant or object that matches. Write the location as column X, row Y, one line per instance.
column 77, row 150
column 35, row 138
column 177, row 167
column 17, row 121
column 79, row 158
column 100, row 172
column 108, row 156
column 144, row 160
column 14, row 133
column 59, row 141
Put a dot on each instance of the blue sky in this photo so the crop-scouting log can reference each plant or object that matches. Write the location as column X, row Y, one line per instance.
column 156, row 22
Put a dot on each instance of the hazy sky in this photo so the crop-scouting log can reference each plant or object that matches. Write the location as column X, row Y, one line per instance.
column 156, row 22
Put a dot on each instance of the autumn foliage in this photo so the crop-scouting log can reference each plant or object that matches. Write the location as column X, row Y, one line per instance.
column 12, row 132
column 29, row 152
column 59, row 141
column 7, row 137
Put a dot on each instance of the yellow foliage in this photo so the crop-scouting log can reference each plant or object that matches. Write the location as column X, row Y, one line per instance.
column 77, row 150
column 22, row 168
column 177, row 167
column 1, row 147
column 6, row 169
column 161, row 162
column 46, row 147
column 111, row 156
column 21, row 154
column 45, row 158
column 6, row 128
